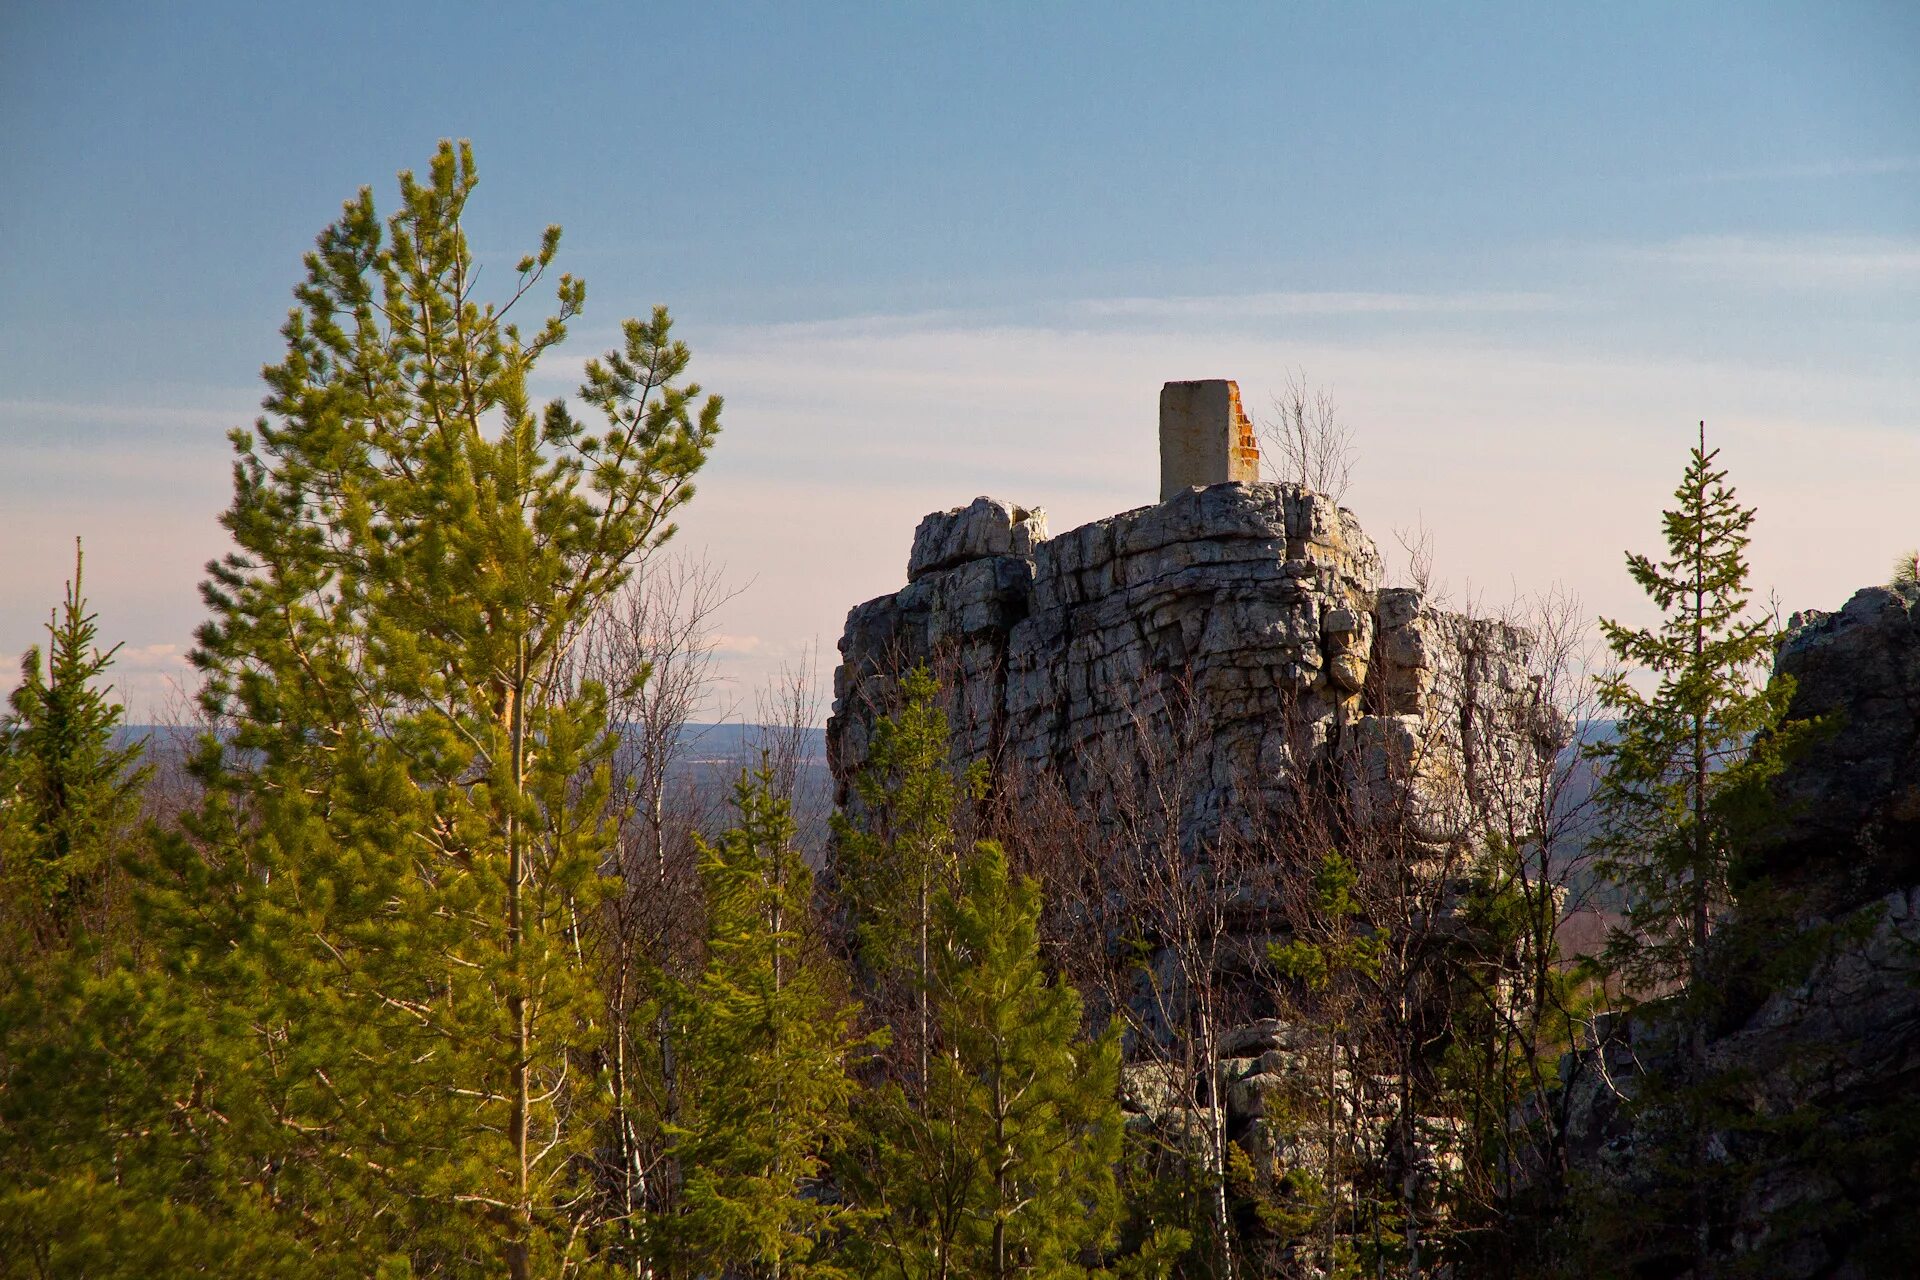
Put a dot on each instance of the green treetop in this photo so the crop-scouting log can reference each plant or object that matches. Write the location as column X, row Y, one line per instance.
column 67, row 793
column 903, row 853
column 378, row 917
column 1006, row 1166
column 1689, row 697
column 765, row 1064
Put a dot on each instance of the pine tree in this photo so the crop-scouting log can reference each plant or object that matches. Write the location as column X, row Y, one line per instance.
column 1005, row 1167
column 374, row 1035
column 769, row 1041
column 68, row 795
column 894, row 864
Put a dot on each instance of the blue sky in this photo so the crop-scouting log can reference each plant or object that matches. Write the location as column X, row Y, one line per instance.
column 931, row 251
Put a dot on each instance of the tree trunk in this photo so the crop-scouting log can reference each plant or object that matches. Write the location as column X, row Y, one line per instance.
column 517, row 1122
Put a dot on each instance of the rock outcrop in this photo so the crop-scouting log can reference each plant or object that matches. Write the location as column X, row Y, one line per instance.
column 1849, row 828
column 1252, row 613
column 1237, row 636
column 1817, row 1068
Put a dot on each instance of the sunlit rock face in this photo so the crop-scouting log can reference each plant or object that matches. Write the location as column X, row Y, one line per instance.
column 1242, row 624
column 1226, row 659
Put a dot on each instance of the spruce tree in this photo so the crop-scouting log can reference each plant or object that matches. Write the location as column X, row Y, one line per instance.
column 1689, row 699
column 769, row 1039
column 1692, row 736
column 68, row 794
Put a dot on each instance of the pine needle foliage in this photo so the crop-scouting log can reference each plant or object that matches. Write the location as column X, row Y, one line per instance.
column 769, row 1042
column 371, row 1045
column 1005, row 1166
column 903, row 853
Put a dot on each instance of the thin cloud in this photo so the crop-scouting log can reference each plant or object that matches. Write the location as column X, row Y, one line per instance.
column 1789, row 260
column 1252, row 306
column 1813, row 170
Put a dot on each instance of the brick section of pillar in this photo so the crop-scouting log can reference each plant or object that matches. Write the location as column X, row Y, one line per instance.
column 1205, row 436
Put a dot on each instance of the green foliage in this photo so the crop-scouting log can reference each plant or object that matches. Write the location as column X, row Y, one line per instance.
column 1906, row 570
column 1332, row 962
column 68, row 796
column 1680, row 776
column 1343, row 947
column 1004, row 1164
column 903, row 850
column 768, row 1044
column 370, row 1038
column 1683, row 789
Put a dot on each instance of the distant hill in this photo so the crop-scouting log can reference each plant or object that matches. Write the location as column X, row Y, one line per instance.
column 704, row 743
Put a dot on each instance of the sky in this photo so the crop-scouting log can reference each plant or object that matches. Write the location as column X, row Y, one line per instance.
column 933, row 251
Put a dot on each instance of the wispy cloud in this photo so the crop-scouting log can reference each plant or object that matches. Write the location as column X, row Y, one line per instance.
column 62, row 421
column 1250, row 306
column 1819, row 261
column 145, row 679
column 1812, row 170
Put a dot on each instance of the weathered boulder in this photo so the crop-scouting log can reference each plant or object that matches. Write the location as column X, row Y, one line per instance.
column 985, row 527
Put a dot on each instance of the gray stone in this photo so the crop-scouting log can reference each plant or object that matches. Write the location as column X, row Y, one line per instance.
column 1849, row 827
column 986, row 527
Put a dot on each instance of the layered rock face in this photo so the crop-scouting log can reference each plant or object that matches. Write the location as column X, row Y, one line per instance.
column 1250, row 614
column 1231, row 657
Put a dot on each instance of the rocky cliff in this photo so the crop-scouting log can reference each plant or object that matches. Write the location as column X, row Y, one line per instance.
column 1254, row 613
column 1231, row 658
column 1849, row 826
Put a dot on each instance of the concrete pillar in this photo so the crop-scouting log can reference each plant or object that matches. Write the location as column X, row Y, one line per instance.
column 1205, row 436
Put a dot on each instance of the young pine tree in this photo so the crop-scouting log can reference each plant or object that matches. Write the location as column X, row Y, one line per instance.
column 1005, row 1167
column 900, row 857
column 768, row 1043
column 408, row 826
column 68, row 795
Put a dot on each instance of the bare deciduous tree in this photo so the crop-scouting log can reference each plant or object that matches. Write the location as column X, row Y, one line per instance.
column 1416, row 544
column 787, row 717
column 1147, row 919
column 652, row 650
column 1306, row 442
